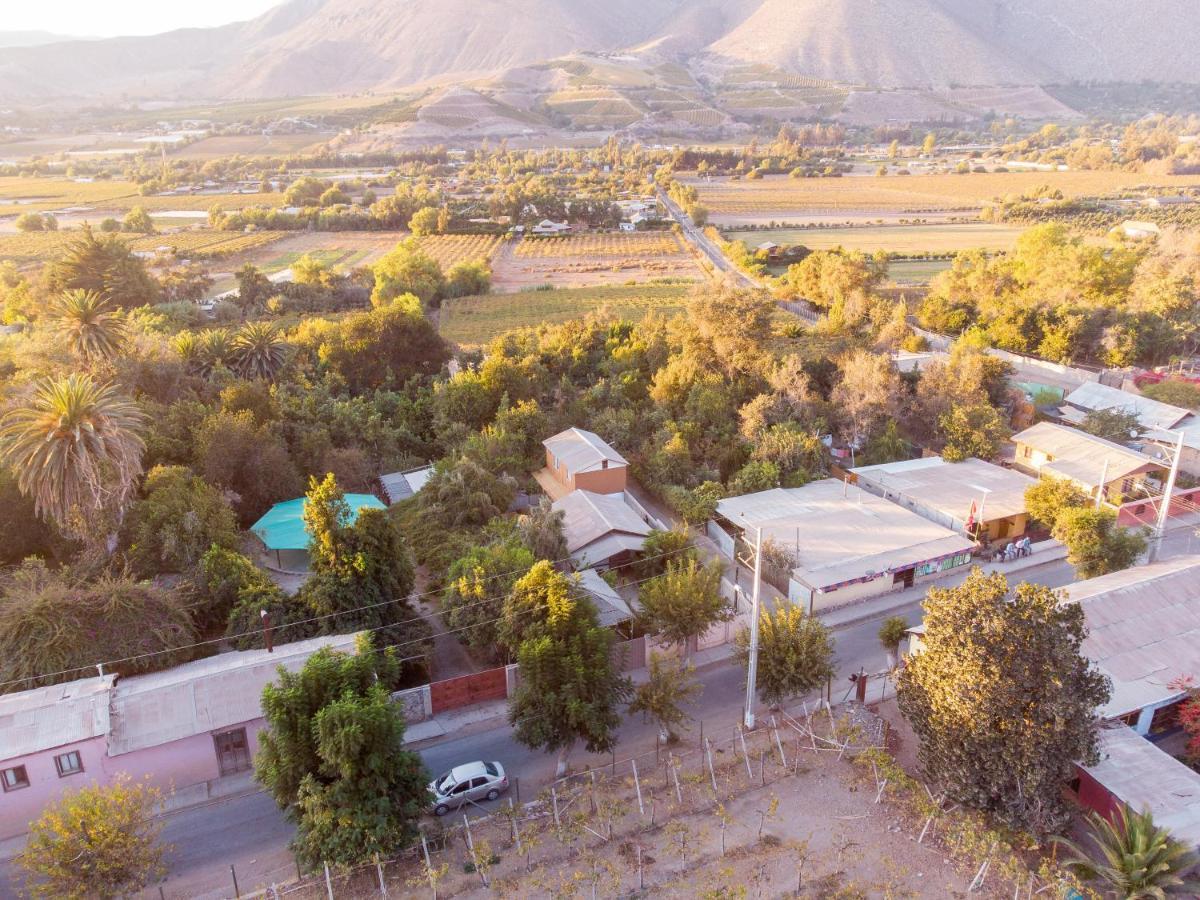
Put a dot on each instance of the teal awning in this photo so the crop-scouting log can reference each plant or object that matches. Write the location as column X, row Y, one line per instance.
column 282, row 527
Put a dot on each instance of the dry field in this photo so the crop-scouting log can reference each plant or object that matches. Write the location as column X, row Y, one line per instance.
column 44, row 246
column 592, row 259
column 20, row 194
column 451, row 249
column 474, row 321
column 907, row 239
column 782, row 198
column 250, row 145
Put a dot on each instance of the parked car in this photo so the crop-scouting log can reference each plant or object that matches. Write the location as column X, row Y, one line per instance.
column 470, row 782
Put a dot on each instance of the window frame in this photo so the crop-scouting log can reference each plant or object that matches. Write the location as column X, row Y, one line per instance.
column 24, row 782
column 67, row 773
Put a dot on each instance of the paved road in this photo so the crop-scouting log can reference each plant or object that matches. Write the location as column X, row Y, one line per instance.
column 704, row 243
column 250, row 833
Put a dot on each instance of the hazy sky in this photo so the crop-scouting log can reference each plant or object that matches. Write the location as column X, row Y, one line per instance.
column 113, row 17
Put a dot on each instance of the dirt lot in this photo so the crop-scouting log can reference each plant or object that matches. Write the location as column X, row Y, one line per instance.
column 588, row 260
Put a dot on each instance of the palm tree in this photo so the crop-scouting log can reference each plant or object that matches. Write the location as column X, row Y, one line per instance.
column 191, row 350
column 216, row 350
column 1140, row 861
column 258, row 351
column 76, row 450
column 91, row 326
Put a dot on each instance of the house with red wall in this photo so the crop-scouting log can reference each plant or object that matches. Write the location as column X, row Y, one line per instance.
column 581, row 460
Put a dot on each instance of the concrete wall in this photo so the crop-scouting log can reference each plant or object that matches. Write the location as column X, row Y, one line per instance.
column 20, row 807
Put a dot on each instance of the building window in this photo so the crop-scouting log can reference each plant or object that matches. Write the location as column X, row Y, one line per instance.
column 233, row 751
column 14, row 779
column 68, row 764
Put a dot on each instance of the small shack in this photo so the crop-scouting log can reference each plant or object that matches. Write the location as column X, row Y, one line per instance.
column 582, row 460
column 284, row 534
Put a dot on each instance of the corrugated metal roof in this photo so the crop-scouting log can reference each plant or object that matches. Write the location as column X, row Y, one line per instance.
column 399, row 486
column 1143, row 629
column 588, row 517
column 202, row 696
column 840, row 533
column 582, row 451
column 54, row 716
column 610, row 606
column 1093, row 395
column 1137, row 772
column 951, row 488
column 1081, row 457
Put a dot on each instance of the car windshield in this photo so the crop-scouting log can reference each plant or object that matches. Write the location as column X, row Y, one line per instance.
column 444, row 782
column 491, row 768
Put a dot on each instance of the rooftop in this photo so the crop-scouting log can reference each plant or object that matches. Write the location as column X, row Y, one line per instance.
column 951, row 488
column 1082, row 457
column 1094, row 396
column 282, row 526
column 54, row 716
column 582, row 451
column 202, row 696
column 610, row 606
column 399, row 486
column 588, row 517
column 1143, row 630
column 1139, row 773
column 840, row 533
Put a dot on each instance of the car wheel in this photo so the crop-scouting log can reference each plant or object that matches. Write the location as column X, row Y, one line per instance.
column 441, row 809
column 493, row 794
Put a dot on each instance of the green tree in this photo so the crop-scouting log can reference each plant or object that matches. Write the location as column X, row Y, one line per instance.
column 1138, row 860
column 258, row 351
column 683, row 602
column 930, row 142
column 104, row 265
column 668, row 687
column 30, row 221
column 468, row 279
column 542, row 531
column 1002, row 699
column 334, row 197
column 407, row 269
column 753, row 477
column 477, row 585
column 331, row 756
column 1112, row 425
column 424, row 221
column 570, row 688
column 234, row 452
column 96, row 842
column 76, row 448
column 795, row 653
column 972, row 431
column 662, row 548
column 138, row 220
column 304, row 191
column 891, row 633
column 177, row 521
column 1184, row 394
column 1051, row 496
column 1096, row 544
column 253, row 287
column 89, row 324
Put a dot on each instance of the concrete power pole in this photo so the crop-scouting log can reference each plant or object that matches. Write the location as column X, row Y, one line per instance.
column 752, row 663
column 1164, row 509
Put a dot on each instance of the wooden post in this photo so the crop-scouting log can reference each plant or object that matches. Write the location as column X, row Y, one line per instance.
column 637, row 784
column 516, row 831
column 745, row 752
column 379, row 872
column 711, row 771
column 233, row 872
column 554, row 800
column 779, row 744
column 641, row 881
column 675, row 777
column 328, row 882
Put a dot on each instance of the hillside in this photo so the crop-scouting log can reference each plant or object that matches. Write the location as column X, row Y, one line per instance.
column 331, row 46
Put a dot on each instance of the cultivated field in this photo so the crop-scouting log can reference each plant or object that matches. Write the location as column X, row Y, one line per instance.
column 903, row 239
column 451, row 249
column 476, row 320
column 250, row 145
column 47, row 245
column 781, row 198
column 20, row 194
column 592, row 259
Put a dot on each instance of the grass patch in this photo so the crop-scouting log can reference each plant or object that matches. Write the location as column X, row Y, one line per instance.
column 914, row 239
column 476, row 320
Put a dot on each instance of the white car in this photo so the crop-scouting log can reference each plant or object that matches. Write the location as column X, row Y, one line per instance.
column 469, row 782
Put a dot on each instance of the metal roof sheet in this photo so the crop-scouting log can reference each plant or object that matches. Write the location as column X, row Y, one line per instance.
column 1082, row 457
column 54, row 716
column 951, row 488
column 399, row 486
column 588, row 517
column 1150, row 413
column 610, row 606
column 582, row 451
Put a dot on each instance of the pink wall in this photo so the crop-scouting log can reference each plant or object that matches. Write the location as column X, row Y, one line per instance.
column 1145, row 512
column 185, row 767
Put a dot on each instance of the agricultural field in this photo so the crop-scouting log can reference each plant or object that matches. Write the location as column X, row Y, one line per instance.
column 451, row 249
column 592, row 259
column 915, row 271
column 250, row 145
column 20, row 194
column 784, row 199
column 40, row 247
column 473, row 321
column 900, row 239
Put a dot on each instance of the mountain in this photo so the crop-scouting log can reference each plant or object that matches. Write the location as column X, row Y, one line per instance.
column 32, row 38
column 329, row 46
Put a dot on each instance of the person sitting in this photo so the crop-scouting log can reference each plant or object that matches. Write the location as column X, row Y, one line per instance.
column 1009, row 552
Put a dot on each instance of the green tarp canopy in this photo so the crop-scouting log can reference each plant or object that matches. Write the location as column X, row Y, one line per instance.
column 282, row 527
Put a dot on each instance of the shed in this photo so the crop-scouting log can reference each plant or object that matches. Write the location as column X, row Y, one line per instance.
column 399, row 486
column 282, row 529
column 582, row 460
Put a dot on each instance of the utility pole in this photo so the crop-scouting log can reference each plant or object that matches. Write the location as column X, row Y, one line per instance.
column 1164, row 509
column 1103, row 482
column 752, row 662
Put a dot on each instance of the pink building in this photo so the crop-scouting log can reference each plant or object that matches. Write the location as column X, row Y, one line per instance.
column 192, row 730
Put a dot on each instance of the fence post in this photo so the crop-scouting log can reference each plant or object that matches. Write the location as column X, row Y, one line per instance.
column 711, row 771
column 379, row 871
column 236, row 892
column 637, row 784
column 554, row 801
column 517, row 788
column 328, row 882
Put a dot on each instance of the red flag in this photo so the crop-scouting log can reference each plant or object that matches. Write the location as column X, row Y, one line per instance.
column 971, row 517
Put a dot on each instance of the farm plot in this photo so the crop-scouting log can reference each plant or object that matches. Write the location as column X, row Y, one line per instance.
column 476, row 320
column 900, row 239
column 48, row 245
column 451, row 249
column 592, row 259
column 793, row 200
column 20, row 194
